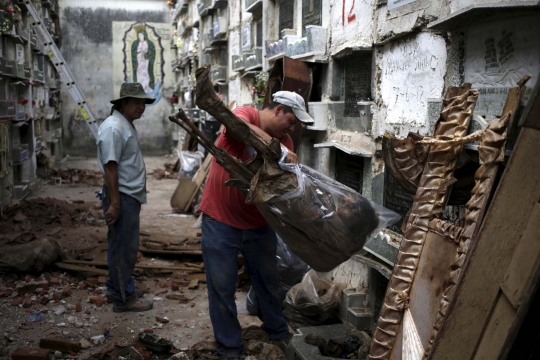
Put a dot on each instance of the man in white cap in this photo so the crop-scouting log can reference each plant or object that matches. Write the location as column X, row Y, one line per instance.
column 120, row 159
column 230, row 226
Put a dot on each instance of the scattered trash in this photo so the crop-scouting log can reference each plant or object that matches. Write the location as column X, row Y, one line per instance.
column 163, row 320
column 154, row 342
column 59, row 310
column 97, row 340
column 34, row 317
column 315, row 301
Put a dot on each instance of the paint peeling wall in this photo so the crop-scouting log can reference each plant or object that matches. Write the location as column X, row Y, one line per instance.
column 405, row 19
column 411, row 71
column 456, row 5
column 87, row 46
column 351, row 24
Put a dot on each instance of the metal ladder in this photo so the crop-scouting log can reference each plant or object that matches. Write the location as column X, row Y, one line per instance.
column 63, row 70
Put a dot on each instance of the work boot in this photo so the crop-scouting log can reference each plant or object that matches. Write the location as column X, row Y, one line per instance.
column 138, row 293
column 134, row 305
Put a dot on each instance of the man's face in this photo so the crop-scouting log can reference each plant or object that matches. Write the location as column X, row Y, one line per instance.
column 282, row 123
column 133, row 108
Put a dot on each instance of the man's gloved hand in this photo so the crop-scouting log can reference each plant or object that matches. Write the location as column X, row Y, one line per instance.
column 112, row 214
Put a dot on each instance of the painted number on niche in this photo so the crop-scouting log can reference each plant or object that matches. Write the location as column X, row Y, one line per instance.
column 345, row 138
column 350, row 16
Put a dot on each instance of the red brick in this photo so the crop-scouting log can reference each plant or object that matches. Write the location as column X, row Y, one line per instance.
column 97, row 300
column 66, row 291
column 175, row 286
column 83, row 286
column 102, row 279
column 17, row 301
column 24, row 353
column 78, row 307
column 148, row 331
column 27, row 302
column 60, row 345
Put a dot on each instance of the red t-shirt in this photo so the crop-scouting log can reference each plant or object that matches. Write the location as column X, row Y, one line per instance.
column 227, row 204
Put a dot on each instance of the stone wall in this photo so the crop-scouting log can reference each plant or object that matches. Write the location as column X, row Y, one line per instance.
column 89, row 43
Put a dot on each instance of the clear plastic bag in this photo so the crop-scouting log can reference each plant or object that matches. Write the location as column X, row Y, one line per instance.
column 324, row 222
column 291, row 270
column 190, row 162
column 315, row 301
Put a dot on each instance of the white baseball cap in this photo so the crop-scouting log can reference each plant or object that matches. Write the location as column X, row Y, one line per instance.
column 296, row 103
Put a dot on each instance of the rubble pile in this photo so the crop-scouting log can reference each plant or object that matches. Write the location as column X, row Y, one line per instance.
column 77, row 176
column 39, row 214
column 170, row 172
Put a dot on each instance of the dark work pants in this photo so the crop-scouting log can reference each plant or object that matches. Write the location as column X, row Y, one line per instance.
column 220, row 246
column 127, row 238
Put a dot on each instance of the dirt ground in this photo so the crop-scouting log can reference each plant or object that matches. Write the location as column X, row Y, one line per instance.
column 188, row 323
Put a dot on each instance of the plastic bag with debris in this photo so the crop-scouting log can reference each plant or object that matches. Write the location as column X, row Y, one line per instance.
column 190, row 162
column 291, row 270
column 323, row 221
column 315, row 301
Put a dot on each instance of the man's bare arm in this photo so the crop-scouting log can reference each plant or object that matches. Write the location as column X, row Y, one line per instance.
column 111, row 180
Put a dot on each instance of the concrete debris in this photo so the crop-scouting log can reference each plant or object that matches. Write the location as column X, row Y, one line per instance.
column 180, row 356
column 97, row 340
column 59, row 310
column 134, row 354
column 85, row 344
column 77, row 176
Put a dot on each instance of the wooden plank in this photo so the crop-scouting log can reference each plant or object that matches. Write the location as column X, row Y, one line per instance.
column 496, row 330
column 429, row 282
column 83, row 269
column 183, row 194
column 524, row 261
column 506, row 219
column 200, row 176
column 137, row 266
column 170, row 252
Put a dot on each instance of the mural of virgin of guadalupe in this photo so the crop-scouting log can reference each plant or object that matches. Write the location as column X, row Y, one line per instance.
column 143, row 56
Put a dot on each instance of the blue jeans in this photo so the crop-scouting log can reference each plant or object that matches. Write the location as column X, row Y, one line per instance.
column 127, row 238
column 220, row 247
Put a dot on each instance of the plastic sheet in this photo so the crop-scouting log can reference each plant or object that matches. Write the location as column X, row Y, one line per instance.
column 291, row 270
column 190, row 162
column 323, row 221
column 315, row 301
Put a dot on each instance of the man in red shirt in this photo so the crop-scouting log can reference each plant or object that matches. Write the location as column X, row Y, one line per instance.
column 229, row 226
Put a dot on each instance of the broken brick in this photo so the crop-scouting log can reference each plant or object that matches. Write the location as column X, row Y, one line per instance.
column 27, row 302
column 32, row 287
column 17, row 301
column 96, row 300
column 102, row 280
column 148, row 331
column 24, row 353
column 66, row 292
column 83, row 286
column 78, row 307
column 60, row 345
column 175, row 286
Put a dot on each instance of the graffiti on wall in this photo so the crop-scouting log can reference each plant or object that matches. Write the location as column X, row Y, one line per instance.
column 498, row 55
column 143, row 58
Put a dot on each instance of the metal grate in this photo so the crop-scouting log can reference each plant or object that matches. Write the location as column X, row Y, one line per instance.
column 357, row 82
column 350, row 170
